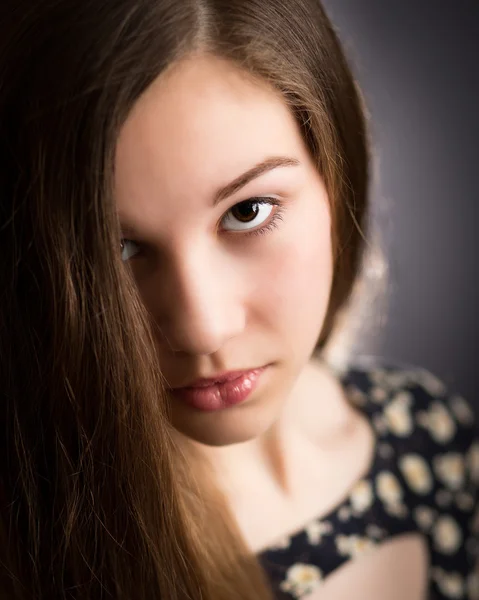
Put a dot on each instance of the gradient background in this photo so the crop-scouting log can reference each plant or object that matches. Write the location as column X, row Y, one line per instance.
column 418, row 66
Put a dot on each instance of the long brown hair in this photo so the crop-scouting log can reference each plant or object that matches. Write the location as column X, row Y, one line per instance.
column 96, row 499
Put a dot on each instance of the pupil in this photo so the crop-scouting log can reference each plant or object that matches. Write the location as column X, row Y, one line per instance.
column 245, row 209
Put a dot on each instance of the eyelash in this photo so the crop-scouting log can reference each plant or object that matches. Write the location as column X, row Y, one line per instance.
column 273, row 223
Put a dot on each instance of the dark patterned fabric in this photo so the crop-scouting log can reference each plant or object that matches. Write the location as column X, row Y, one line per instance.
column 424, row 477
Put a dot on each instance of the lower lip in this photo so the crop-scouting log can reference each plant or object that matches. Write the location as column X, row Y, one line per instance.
column 220, row 395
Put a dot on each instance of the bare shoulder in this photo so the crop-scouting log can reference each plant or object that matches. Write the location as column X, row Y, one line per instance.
column 394, row 570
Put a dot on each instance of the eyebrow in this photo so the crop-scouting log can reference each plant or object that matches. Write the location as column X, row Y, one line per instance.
column 241, row 181
column 260, row 169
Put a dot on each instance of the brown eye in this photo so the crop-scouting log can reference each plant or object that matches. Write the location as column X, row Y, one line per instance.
column 249, row 214
column 245, row 211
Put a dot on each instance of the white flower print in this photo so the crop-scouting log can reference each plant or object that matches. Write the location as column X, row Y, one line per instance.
column 443, row 498
column 424, row 517
column 398, row 415
column 380, row 378
column 447, row 535
column 391, row 493
column 385, row 450
column 316, row 530
column 396, row 509
column 450, row 469
column 344, row 513
column 390, row 380
column 361, row 496
column 380, row 424
column 416, row 473
column 464, row 501
column 473, row 586
column 375, row 532
column 451, row 584
column 378, row 394
column 301, row 579
column 438, row 422
column 343, row 544
column 432, row 385
column 389, row 490
column 461, row 410
column 354, row 545
column 473, row 462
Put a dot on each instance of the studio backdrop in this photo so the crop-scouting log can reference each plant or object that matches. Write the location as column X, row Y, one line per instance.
column 418, row 66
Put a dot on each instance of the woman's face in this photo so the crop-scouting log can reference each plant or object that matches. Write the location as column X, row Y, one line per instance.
column 234, row 279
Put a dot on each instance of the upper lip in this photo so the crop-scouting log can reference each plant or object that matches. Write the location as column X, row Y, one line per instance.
column 219, row 378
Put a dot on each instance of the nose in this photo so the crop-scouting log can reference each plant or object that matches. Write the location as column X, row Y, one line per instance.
column 200, row 305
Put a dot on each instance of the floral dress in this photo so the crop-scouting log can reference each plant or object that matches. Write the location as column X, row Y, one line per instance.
column 424, row 477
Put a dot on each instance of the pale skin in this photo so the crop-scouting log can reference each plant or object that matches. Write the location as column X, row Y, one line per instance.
column 224, row 299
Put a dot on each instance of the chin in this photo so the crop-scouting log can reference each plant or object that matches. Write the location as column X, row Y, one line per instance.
column 230, row 426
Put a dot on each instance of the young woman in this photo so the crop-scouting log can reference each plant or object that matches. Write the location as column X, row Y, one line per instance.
column 184, row 217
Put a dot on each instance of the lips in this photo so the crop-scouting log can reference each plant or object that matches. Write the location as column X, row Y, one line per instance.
column 215, row 396
column 220, row 378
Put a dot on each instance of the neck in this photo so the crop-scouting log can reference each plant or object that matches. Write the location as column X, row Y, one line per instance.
column 294, row 433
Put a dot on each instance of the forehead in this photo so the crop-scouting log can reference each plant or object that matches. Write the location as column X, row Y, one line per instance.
column 198, row 126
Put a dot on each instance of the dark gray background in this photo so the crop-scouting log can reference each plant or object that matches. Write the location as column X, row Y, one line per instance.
column 418, row 66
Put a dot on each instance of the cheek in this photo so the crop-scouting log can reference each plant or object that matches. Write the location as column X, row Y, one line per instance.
column 298, row 280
